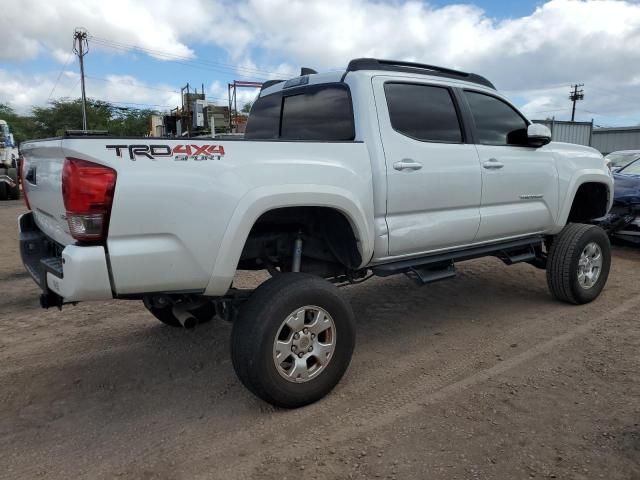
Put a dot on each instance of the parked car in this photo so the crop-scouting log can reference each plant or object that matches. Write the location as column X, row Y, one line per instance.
column 623, row 221
column 617, row 160
column 388, row 167
column 9, row 159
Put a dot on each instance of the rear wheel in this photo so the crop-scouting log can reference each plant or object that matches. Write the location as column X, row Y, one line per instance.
column 13, row 192
column 171, row 313
column 293, row 339
column 578, row 263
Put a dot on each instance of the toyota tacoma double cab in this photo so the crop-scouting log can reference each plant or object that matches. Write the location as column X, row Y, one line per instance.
column 388, row 167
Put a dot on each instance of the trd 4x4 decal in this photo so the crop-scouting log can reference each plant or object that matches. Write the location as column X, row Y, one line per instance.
column 180, row 153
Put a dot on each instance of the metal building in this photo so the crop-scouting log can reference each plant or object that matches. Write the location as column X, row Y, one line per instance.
column 609, row 140
column 569, row 132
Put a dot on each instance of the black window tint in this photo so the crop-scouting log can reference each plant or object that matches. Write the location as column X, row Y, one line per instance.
column 423, row 112
column 496, row 122
column 318, row 114
column 264, row 119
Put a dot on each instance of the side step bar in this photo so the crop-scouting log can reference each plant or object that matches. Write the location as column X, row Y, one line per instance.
column 440, row 266
column 423, row 274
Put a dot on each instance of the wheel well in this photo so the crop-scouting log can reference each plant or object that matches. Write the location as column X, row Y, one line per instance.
column 590, row 202
column 329, row 244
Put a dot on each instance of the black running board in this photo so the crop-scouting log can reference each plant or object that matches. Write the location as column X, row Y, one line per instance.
column 439, row 266
column 424, row 274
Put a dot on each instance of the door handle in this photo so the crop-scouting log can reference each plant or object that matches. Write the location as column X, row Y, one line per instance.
column 407, row 164
column 492, row 164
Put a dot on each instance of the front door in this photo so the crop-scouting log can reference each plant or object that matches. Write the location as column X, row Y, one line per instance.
column 519, row 183
column 433, row 176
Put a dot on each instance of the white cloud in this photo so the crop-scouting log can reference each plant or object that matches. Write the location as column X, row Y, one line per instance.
column 33, row 27
column 595, row 42
column 24, row 91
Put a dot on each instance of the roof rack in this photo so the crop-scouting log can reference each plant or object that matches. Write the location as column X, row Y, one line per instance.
column 412, row 67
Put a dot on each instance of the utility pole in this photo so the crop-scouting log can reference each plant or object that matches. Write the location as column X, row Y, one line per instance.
column 79, row 44
column 186, row 87
column 574, row 96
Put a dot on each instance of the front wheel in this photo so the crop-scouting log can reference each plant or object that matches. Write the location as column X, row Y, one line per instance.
column 578, row 263
column 293, row 339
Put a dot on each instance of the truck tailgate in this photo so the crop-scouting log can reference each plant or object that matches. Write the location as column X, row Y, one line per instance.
column 42, row 173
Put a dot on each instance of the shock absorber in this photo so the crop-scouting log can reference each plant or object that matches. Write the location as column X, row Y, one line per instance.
column 297, row 253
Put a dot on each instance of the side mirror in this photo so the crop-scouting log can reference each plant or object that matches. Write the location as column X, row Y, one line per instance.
column 538, row 135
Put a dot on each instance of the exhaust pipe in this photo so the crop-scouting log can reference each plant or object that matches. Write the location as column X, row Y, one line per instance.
column 186, row 318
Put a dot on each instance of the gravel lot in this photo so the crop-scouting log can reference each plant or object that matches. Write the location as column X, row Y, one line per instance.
column 484, row 376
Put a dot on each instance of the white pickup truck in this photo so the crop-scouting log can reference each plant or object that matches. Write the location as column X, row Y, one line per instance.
column 389, row 167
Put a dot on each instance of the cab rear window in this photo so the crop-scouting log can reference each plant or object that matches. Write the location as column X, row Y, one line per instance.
column 313, row 113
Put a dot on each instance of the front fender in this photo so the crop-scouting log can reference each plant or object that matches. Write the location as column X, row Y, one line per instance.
column 263, row 199
column 577, row 179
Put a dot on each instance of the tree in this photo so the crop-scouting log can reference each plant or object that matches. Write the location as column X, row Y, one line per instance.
column 22, row 127
column 62, row 115
column 247, row 107
column 130, row 121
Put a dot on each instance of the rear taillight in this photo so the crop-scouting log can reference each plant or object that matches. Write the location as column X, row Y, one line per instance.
column 21, row 174
column 87, row 190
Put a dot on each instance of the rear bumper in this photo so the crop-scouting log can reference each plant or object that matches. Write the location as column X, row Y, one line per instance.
column 74, row 273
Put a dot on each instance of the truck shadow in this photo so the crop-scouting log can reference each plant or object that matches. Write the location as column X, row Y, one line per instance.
column 143, row 365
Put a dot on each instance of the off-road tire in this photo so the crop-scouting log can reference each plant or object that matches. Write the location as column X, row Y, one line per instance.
column 13, row 193
column 202, row 314
column 562, row 263
column 259, row 321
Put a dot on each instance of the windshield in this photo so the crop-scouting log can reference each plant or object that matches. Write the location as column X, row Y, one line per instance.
column 631, row 169
column 620, row 159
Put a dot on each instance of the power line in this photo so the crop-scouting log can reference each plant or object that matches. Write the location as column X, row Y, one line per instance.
column 549, row 111
column 140, row 104
column 204, row 64
column 145, row 87
column 137, row 85
column 75, row 85
column 59, row 75
column 160, row 53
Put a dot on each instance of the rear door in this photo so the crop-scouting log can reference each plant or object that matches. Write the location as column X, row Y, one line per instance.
column 519, row 182
column 433, row 175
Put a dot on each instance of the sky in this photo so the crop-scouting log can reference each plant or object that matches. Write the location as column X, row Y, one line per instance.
column 141, row 51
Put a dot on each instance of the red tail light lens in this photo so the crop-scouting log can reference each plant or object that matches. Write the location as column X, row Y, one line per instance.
column 21, row 174
column 87, row 190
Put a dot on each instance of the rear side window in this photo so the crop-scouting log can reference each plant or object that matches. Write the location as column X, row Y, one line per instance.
column 322, row 113
column 423, row 112
column 264, row 119
column 497, row 123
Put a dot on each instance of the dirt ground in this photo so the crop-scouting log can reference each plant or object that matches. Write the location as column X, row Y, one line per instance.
column 480, row 377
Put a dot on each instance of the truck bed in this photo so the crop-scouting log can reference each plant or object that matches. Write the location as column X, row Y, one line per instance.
column 175, row 199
